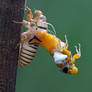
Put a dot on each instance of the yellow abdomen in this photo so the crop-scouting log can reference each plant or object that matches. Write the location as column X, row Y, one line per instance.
column 48, row 41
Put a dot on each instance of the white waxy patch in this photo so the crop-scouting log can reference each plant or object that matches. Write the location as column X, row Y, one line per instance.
column 59, row 57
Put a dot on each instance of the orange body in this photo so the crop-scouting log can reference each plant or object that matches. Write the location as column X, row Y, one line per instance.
column 48, row 41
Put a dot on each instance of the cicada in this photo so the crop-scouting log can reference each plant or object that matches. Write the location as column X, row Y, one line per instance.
column 38, row 35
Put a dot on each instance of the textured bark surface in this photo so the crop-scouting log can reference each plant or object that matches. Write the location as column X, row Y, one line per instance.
column 9, row 37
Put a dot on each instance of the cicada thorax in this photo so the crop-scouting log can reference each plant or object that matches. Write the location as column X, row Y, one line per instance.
column 26, row 53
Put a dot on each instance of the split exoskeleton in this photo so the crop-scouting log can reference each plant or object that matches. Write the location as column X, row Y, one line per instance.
column 38, row 35
column 27, row 52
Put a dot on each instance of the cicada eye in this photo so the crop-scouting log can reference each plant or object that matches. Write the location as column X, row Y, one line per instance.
column 65, row 69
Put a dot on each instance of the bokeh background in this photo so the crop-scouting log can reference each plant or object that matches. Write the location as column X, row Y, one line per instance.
column 70, row 17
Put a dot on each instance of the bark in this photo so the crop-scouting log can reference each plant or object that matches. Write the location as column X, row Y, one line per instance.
column 9, row 37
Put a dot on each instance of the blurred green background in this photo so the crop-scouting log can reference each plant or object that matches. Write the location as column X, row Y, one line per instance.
column 70, row 17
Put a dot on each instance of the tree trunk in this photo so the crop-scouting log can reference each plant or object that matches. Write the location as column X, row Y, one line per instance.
column 9, row 38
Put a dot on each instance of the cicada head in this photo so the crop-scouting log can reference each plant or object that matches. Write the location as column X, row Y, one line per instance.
column 64, row 63
column 72, row 69
column 67, row 68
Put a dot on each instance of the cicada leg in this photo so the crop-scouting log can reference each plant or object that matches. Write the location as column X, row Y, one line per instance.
column 24, row 22
column 76, row 56
column 29, row 14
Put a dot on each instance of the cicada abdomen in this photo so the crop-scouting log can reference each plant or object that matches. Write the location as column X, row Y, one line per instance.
column 27, row 53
